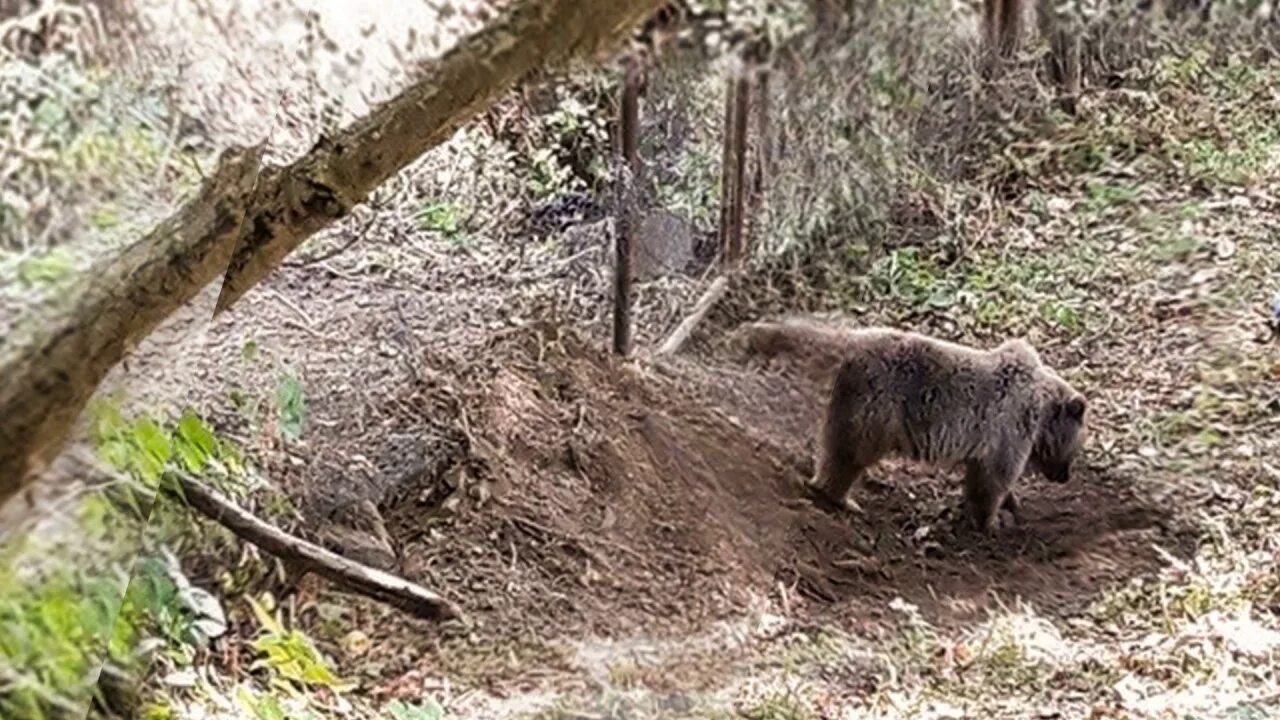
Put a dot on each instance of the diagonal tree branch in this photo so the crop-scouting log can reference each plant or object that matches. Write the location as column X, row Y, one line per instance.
column 58, row 353
column 246, row 219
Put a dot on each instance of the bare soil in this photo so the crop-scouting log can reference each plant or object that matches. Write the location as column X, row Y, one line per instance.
column 560, row 494
column 655, row 499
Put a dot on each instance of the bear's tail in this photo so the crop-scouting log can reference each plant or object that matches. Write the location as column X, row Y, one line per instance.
column 796, row 337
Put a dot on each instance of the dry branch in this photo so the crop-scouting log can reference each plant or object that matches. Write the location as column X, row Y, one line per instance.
column 341, row 171
column 309, row 557
column 248, row 218
column 1003, row 22
column 53, row 361
column 681, row 334
column 1064, row 57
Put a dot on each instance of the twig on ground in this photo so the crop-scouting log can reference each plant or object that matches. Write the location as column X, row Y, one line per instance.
column 171, row 141
column 304, row 319
column 356, row 236
column 329, row 254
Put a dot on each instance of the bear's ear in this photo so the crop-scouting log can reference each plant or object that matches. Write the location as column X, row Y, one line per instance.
column 1074, row 408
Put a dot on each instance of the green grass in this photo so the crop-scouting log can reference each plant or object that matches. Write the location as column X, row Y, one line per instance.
column 1103, row 195
column 93, row 143
column 57, row 626
column 47, row 269
column 104, row 584
column 1000, row 292
column 446, row 219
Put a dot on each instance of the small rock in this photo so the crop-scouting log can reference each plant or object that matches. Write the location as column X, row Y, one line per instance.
column 356, row 644
column 945, row 711
column 1203, row 276
column 1130, row 690
column 181, row 678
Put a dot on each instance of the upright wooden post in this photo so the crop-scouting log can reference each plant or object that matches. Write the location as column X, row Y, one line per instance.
column 741, row 104
column 726, row 170
column 628, row 172
column 764, row 141
column 733, row 170
column 826, row 17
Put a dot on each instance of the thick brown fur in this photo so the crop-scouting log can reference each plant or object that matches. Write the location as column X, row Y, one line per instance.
column 824, row 345
column 997, row 412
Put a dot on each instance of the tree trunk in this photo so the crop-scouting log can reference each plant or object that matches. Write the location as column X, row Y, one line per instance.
column 246, row 219
column 1003, row 22
column 764, row 142
column 1063, row 61
column 826, row 18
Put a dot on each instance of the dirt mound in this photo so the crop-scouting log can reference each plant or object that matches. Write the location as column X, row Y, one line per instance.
column 616, row 504
column 656, row 499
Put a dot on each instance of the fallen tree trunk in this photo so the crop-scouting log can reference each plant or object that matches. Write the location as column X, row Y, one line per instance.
column 246, row 219
column 309, row 557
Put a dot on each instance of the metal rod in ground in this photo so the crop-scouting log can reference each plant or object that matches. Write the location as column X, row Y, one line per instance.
column 629, row 123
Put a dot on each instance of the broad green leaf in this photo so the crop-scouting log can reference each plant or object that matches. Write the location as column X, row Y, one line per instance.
column 292, row 401
column 196, row 443
column 152, row 439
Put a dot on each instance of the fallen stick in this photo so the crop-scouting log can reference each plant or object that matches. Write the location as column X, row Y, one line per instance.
column 309, row 557
column 677, row 338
